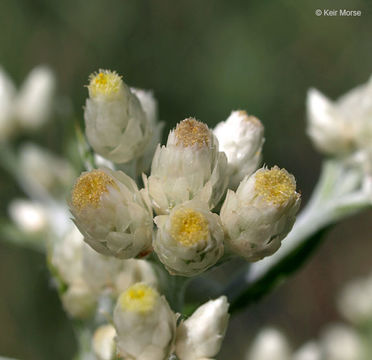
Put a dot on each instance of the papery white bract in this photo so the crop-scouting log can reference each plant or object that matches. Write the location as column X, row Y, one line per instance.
column 115, row 123
column 188, row 167
column 201, row 335
column 261, row 213
column 308, row 351
column 112, row 214
column 189, row 240
column 241, row 138
column 144, row 323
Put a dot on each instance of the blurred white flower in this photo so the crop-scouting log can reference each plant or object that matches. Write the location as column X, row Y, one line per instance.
column 308, row 351
column 104, row 342
column 201, row 335
column 144, row 323
column 355, row 301
column 189, row 240
column 340, row 342
column 112, row 214
column 7, row 96
column 269, row 344
column 34, row 102
column 241, row 138
column 344, row 125
column 78, row 300
column 29, row 216
column 261, row 213
column 115, row 123
column 44, row 169
column 188, row 167
column 29, row 108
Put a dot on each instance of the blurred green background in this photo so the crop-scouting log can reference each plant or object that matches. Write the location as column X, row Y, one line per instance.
column 201, row 58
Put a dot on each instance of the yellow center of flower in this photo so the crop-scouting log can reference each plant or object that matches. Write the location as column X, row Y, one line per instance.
column 191, row 132
column 139, row 298
column 89, row 188
column 189, row 227
column 275, row 185
column 104, row 83
column 249, row 118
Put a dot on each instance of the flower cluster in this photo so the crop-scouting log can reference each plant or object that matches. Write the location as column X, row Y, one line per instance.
column 186, row 186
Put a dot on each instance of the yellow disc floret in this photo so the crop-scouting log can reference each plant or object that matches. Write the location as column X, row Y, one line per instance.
column 139, row 298
column 189, row 227
column 276, row 185
column 190, row 132
column 89, row 188
column 249, row 118
column 105, row 83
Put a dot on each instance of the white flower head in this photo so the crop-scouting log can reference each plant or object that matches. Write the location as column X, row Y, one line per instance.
column 35, row 100
column 269, row 344
column 261, row 213
column 112, row 214
column 103, row 342
column 145, row 324
column 188, row 167
column 115, row 123
column 201, row 335
column 342, row 126
column 241, row 138
column 189, row 240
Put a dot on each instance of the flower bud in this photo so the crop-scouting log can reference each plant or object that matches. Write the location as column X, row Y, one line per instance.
column 115, row 123
column 330, row 133
column 34, row 103
column 112, row 214
column 144, row 323
column 188, row 167
column 189, row 240
column 201, row 335
column 150, row 106
column 270, row 344
column 102, row 272
column 104, row 342
column 261, row 213
column 241, row 138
